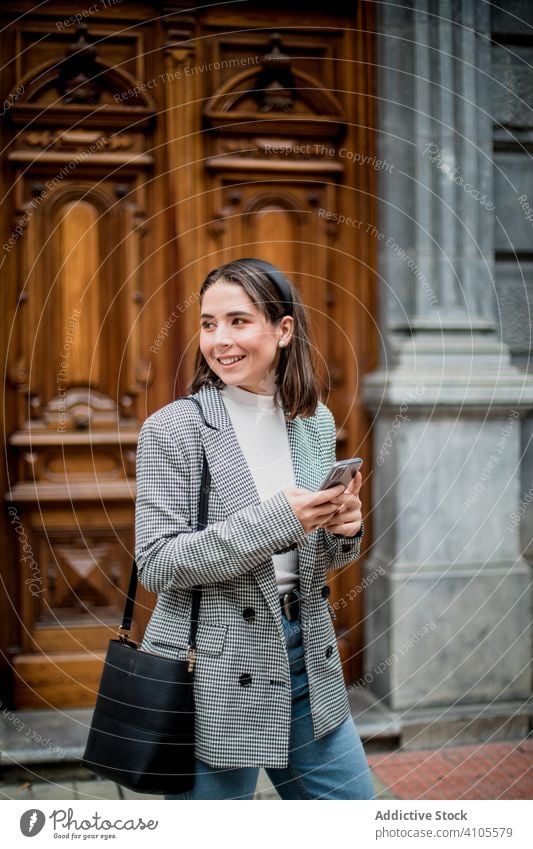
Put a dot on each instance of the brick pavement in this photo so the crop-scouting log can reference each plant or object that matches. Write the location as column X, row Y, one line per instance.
column 482, row 771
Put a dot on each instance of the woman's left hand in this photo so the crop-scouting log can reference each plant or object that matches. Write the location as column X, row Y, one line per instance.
column 347, row 519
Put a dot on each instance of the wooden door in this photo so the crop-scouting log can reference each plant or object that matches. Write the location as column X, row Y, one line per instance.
column 281, row 167
column 138, row 158
column 75, row 248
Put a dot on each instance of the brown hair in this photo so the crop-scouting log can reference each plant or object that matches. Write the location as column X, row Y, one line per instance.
column 298, row 389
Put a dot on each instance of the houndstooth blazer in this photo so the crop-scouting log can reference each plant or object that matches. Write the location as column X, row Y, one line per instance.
column 242, row 679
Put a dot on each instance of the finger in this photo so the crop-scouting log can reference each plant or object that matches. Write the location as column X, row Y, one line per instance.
column 347, row 529
column 329, row 523
column 322, row 496
column 338, row 525
column 348, row 516
column 341, row 499
column 344, row 520
column 324, row 514
column 335, row 525
column 348, row 502
column 355, row 484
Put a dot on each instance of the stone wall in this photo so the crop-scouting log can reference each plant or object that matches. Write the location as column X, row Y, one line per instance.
column 447, row 623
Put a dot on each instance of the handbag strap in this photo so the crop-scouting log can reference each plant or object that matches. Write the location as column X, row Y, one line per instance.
column 196, row 591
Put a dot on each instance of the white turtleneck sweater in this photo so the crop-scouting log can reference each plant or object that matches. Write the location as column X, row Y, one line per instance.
column 262, row 434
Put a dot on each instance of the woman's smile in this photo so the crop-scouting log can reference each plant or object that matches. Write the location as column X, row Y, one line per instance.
column 228, row 362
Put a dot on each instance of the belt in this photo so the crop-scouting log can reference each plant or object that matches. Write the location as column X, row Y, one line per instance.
column 290, row 604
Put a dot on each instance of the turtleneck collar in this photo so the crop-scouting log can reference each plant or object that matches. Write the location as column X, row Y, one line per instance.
column 252, row 400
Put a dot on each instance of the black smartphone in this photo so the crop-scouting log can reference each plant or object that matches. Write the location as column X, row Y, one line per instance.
column 342, row 472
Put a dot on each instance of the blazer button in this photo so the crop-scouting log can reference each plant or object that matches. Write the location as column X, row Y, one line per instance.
column 248, row 614
column 325, row 591
column 345, row 547
column 329, row 651
column 245, row 679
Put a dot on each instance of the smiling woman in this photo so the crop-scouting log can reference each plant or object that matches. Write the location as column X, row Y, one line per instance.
column 245, row 314
column 240, row 345
column 268, row 686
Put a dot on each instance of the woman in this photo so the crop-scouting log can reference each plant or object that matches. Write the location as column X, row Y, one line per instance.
column 269, row 687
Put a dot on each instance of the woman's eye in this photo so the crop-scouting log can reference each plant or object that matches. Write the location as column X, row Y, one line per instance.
column 207, row 325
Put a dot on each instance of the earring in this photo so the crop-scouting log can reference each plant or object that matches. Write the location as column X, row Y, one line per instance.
column 282, row 343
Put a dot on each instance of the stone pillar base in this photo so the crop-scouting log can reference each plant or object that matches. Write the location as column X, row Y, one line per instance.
column 447, row 592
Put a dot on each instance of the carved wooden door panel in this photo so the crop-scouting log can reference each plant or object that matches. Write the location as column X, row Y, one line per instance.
column 75, row 365
column 274, row 155
column 139, row 157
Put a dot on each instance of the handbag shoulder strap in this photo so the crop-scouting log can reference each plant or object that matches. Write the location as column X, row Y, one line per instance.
column 196, row 591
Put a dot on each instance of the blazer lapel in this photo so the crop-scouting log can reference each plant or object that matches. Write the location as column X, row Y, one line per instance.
column 229, row 470
column 235, row 486
column 231, row 478
column 307, row 476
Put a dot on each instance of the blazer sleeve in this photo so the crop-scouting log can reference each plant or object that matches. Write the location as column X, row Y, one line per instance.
column 169, row 552
column 340, row 550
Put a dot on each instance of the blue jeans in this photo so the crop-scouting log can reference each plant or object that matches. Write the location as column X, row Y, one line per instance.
column 333, row 767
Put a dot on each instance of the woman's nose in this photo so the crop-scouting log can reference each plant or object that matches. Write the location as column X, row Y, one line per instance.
column 222, row 335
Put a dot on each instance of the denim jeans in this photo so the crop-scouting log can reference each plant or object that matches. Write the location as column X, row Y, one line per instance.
column 333, row 767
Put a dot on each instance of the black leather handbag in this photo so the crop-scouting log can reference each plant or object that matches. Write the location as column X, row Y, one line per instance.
column 142, row 730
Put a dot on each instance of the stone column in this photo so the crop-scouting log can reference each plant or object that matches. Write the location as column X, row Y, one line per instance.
column 447, row 622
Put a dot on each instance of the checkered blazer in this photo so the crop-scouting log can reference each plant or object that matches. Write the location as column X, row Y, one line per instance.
column 242, row 679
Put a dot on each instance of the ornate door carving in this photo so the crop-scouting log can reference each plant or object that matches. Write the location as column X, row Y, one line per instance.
column 275, row 160
column 139, row 158
column 75, row 364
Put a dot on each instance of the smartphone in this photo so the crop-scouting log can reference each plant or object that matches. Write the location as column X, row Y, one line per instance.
column 342, row 472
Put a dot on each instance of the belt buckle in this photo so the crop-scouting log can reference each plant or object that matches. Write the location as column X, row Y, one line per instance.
column 290, row 608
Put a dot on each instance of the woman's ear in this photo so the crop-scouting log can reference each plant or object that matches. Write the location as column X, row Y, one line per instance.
column 286, row 327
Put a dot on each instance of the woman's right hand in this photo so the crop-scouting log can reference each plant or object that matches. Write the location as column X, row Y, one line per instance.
column 314, row 509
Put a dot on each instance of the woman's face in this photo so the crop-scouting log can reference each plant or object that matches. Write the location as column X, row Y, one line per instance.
column 237, row 340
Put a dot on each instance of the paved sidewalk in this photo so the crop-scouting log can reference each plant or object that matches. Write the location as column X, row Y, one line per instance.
column 73, row 783
column 40, row 754
column 485, row 771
